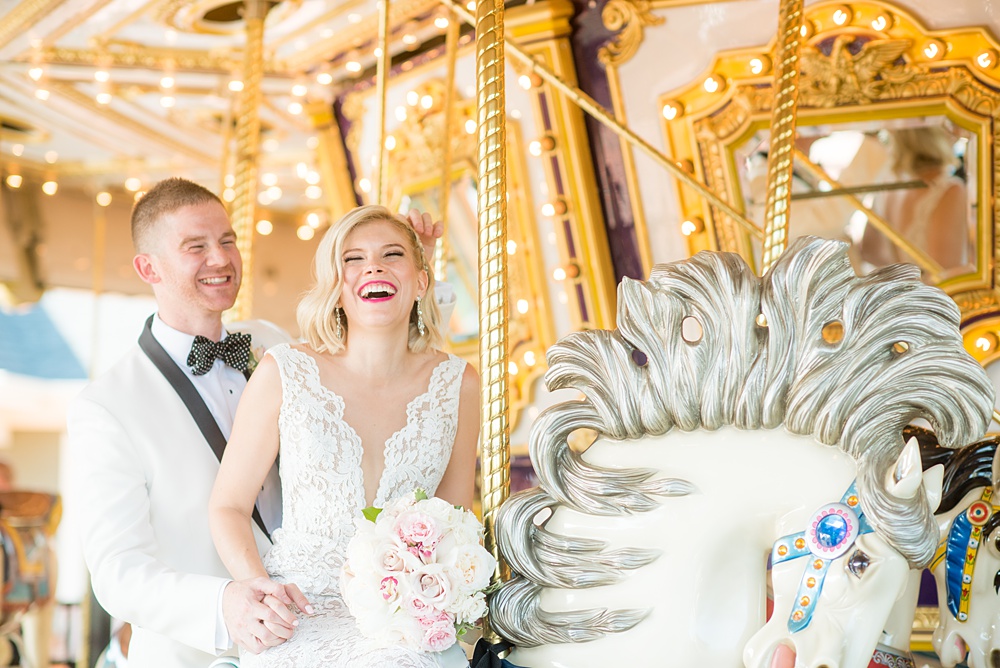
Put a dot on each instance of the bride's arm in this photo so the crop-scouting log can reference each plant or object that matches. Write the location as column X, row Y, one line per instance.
column 459, row 481
column 250, row 453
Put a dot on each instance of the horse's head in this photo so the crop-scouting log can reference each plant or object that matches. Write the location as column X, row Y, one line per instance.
column 967, row 563
column 836, row 582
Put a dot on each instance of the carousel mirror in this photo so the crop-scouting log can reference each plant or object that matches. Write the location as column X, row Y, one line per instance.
column 918, row 177
column 894, row 150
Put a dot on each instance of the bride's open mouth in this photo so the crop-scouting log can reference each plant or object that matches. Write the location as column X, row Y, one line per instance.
column 377, row 291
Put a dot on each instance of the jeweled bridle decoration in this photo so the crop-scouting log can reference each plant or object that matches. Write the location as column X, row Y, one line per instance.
column 830, row 533
column 960, row 549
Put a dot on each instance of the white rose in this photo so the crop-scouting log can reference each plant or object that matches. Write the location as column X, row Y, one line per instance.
column 434, row 585
column 473, row 565
column 469, row 609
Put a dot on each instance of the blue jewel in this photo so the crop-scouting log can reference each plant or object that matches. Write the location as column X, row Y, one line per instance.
column 831, row 531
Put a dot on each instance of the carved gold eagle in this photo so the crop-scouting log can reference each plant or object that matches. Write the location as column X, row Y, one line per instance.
column 845, row 78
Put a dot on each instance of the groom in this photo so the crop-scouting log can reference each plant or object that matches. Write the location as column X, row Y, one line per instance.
column 145, row 441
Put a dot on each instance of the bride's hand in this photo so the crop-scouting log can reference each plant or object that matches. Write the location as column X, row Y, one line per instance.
column 427, row 231
column 257, row 613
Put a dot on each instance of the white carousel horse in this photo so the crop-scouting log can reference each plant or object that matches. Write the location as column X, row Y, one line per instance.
column 735, row 411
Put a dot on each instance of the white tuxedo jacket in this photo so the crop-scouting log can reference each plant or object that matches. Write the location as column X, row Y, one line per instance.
column 142, row 475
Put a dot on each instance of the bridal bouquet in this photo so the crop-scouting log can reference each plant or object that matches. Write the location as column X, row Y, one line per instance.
column 416, row 574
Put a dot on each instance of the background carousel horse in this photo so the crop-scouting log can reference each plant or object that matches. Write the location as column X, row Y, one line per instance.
column 28, row 522
column 788, row 392
column 966, row 566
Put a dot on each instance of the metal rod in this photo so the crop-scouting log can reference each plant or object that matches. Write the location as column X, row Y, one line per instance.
column 451, row 57
column 856, row 190
column 494, row 435
column 783, row 119
column 603, row 116
column 381, row 74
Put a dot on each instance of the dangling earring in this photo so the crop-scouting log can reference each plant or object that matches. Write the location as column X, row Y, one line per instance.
column 421, row 329
column 340, row 327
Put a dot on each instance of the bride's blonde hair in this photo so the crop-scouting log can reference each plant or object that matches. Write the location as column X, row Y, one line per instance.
column 316, row 312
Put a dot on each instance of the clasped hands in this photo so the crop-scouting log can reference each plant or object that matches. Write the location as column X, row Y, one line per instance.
column 258, row 612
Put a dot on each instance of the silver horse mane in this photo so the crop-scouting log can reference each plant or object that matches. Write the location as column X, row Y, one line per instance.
column 761, row 362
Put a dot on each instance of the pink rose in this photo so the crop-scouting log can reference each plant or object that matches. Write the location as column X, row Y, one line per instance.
column 391, row 558
column 439, row 637
column 416, row 528
column 389, row 588
column 432, row 584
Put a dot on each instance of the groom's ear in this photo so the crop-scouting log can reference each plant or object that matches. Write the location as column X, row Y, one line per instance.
column 143, row 265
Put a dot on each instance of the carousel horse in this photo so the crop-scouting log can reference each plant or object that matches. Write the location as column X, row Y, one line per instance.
column 738, row 417
column 966, row 565
column 28, row 521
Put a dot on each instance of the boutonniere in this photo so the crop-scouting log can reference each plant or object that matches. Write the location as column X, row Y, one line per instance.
column 255, row 355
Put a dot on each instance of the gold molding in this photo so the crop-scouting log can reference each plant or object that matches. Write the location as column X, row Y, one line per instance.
column 628, row 18
column 903, row 70
column 132, row 55
column 23, row 16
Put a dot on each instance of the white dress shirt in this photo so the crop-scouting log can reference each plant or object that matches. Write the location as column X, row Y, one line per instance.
column 220, row 388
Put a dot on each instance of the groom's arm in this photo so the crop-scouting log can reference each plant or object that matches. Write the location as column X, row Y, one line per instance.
column 109, row 490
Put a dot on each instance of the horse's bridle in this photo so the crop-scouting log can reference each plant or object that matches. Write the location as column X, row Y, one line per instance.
column 829, row 534
column 960, row 550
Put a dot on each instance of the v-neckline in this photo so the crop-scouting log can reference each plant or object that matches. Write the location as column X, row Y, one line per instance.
column 355, row 437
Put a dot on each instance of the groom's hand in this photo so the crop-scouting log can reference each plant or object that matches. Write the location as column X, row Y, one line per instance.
column 257, row 614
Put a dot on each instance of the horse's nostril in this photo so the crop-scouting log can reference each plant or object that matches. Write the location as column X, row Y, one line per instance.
column 995, row 658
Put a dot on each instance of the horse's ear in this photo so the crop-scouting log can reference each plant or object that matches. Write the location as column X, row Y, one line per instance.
column 903, row 479
column 996, row 465
column 934, row 485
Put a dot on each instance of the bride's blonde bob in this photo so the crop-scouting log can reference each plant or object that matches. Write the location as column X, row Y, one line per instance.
column 316, row 312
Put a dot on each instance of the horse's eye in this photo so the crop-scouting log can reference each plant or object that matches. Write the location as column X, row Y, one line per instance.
column 858, row 563
column 996, row 583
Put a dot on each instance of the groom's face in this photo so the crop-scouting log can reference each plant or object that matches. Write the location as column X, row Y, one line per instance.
column 195, row 265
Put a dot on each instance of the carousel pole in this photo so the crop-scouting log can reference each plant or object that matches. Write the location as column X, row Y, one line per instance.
column 244, row 207
column 780, row 157
column 451, row 56
column 494, row 438
column 381, row 74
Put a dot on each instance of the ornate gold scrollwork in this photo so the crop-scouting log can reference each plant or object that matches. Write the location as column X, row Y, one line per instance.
column 842, row 78
column 631, row 17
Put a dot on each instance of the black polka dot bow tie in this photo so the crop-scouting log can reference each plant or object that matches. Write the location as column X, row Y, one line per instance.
column 234, row 350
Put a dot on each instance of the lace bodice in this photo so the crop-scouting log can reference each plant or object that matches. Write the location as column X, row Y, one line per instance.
column 323, row 492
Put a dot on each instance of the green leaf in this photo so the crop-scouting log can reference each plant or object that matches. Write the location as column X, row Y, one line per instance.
column 420, row 495
column 371, row 513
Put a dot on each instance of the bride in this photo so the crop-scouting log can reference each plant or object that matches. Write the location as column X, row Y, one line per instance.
column 367, row 409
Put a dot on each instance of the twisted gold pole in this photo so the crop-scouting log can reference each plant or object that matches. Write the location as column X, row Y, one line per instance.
column 494, row 439
column 381, row 74
column 244, row 206
column 451, row 56
column 607, row 119
column 783, row 117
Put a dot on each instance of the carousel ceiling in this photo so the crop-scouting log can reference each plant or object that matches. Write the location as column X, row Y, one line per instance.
column 116, row 94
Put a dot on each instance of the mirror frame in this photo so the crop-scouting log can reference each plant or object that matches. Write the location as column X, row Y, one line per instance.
column 953, row 73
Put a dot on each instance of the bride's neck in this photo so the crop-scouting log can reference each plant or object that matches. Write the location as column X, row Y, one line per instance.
column 377, row 356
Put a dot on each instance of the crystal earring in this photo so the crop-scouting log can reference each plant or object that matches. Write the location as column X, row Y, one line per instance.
column 340, row 326
column 421, row 329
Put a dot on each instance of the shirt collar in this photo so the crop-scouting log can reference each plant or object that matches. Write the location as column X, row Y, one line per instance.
column 175, row 342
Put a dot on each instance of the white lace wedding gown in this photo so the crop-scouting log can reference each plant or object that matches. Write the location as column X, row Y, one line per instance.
column 323, row 492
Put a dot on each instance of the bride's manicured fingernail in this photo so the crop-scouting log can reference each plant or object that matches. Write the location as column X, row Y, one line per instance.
column 309, row 609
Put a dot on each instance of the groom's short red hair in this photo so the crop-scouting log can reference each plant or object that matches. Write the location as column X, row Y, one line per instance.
column 165, row 197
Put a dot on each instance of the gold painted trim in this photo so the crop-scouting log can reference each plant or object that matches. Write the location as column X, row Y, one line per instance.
column 334, row 173
column 129, row 56
column 628, row 18
column 950, row 83
column 23, row 16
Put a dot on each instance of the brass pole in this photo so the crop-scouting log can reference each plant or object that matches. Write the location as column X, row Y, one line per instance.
column 606, row 118
column 494, row 439
column 919, row 257
column 451, row 55
column 381, row 74
column 783, row 118
column 244, row 207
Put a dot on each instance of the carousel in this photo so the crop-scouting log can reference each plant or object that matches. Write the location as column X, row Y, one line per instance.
column 727, row 269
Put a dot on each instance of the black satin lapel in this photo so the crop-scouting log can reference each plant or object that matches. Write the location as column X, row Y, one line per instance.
column 187, row 392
